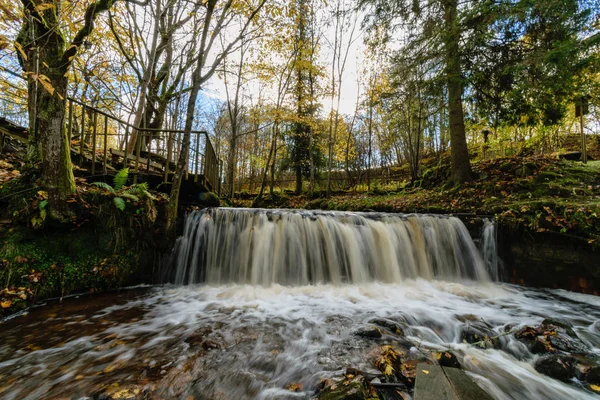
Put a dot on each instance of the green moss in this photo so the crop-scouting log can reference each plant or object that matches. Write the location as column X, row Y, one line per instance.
column 101, row 248
column 209, row 199
column 62, row 262
column 506, row 167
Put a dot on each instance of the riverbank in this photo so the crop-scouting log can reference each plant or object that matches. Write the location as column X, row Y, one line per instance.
column 112, row 240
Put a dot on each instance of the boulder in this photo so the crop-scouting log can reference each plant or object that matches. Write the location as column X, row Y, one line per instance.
column 592, row 375
column 557, row 367
column 371, row 332
column 391, row 326
column 447, row 359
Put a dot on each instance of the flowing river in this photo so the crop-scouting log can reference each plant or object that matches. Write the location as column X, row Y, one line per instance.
column 248, row 334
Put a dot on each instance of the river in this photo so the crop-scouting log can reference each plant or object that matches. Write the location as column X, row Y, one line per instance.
column 255, row 330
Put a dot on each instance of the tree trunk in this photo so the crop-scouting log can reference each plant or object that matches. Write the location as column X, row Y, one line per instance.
column 274, row 146
column 56, row 157
column 461, row 167
column 48, row 140
column 183, row 157
column 231, row 161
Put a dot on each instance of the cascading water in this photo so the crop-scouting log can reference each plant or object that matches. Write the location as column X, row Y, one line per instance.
column 489, row 250
column 263, row 247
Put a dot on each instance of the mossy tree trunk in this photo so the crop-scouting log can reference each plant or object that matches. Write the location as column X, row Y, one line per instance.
column 461, row 167
column 42, row 37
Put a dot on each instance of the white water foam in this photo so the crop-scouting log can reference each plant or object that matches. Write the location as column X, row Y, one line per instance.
column 278, row 335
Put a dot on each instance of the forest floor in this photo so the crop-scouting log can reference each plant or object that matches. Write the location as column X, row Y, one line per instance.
column 538, row 193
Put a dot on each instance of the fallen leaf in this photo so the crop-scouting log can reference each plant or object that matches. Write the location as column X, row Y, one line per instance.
column 6, row 303
column 595, row 388
column 425, row 372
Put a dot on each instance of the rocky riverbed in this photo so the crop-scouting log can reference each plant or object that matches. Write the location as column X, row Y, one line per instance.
column 324, row 341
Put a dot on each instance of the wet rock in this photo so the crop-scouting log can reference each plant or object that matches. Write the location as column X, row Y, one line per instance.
column 347, row 389
column 211, row 345
column 529, row 336
column 391, row 326
column 592, row 375
column 479, row 335
column 567, row 344
column 555, row 323
column 368, row 375
column 371, row 332
column 557, row 367
column 447, row 359
column 551, row 336
column 197, row 337
column 467, row 318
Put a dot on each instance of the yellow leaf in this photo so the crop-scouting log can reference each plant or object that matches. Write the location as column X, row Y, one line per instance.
column 425, row 372
column 47, row 85
column 595, row 388
column 3, row 42
column 6, row 304
column 20, row 50
column 45, row 65
column 437, row 355
column 389, row 370
column 44, row 7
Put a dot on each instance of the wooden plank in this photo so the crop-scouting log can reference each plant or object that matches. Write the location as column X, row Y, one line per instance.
column 14, row 131
column 432, row 384
column 14, row 135
column 464, row 386
column 142, row 160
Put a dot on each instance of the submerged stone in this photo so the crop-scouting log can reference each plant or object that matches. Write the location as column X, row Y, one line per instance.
column 370, row 333
column 551, row 336
column 447, row 359
column 557, row 367
column 388, row 325
column 592, row 375
column 553, row 323
column 479, row 335
column 348, row 389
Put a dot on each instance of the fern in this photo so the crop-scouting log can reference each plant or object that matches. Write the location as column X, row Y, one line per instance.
column 104, row 185
column 121, row 178
column 119, row 203
column 134, row 192
column 130, row 196
column 141, row 190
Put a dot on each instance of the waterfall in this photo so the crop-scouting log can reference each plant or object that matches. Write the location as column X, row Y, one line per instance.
column 291, row 247
column 489, row 249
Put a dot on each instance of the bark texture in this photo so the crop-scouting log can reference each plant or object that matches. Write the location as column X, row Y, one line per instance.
column 461, row 167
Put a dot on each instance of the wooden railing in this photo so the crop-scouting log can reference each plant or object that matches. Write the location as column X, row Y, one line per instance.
column 144, row 150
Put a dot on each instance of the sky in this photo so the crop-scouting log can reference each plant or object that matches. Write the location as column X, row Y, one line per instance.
column 216, row 87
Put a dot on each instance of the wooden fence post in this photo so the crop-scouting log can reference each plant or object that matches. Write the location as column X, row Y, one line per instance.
column 105, row 144
column 82, row 136
column 95, row 119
